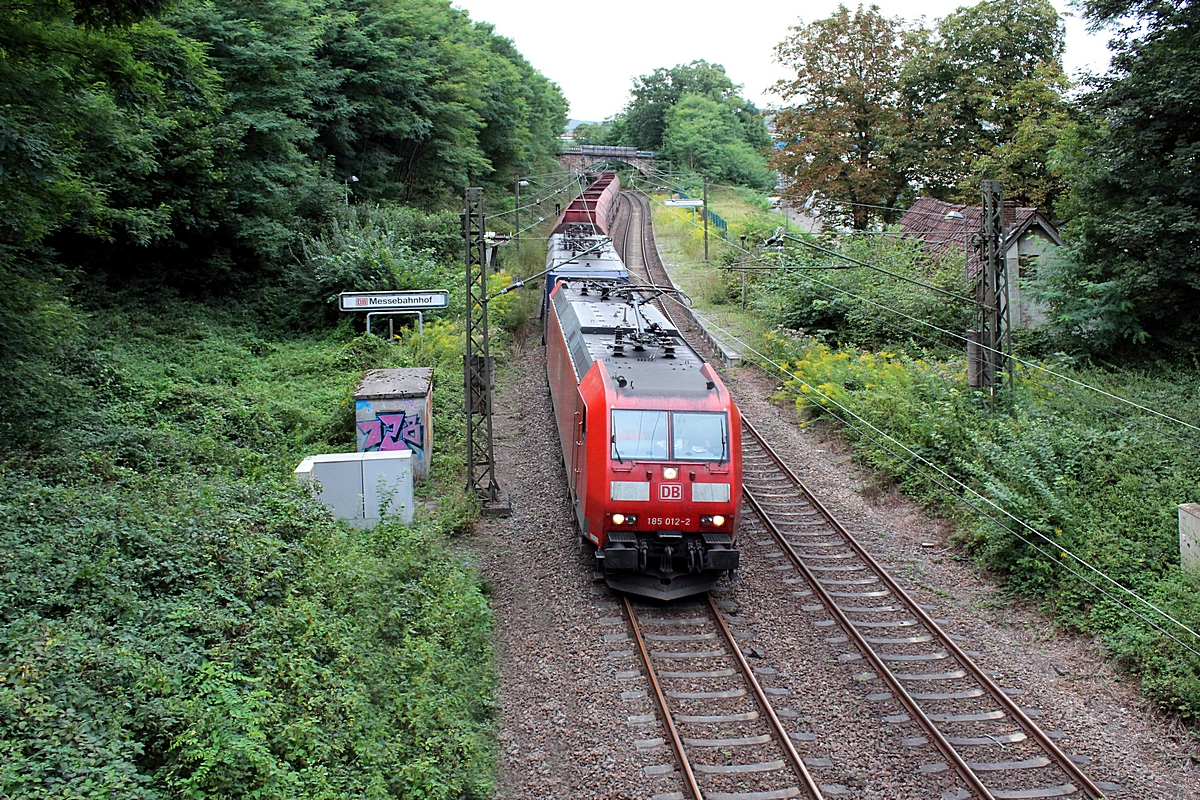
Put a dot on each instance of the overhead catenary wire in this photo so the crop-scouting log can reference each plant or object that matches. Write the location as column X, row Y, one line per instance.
column 559, row 189
column 833, row 287
column 1016, row 359
column 988, row 501
column 966, row 488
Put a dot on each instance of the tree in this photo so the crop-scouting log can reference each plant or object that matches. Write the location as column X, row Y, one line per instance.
column 987, row 97
column 591, row 133
column 643, row 123
column 843, row 137
column 704, row 135
column 1133, row 204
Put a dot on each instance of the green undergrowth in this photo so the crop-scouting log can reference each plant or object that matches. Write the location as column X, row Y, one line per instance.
column 1060, row 493
column 1063, row 472
column 179, row 619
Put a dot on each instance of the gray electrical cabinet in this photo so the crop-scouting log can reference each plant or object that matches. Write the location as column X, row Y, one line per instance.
column 362, row 488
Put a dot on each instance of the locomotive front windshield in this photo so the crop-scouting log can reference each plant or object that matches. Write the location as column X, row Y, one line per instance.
column 640, row 435
column 699, row 437
column 645, row 436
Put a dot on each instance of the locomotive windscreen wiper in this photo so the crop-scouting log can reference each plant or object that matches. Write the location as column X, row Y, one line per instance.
column 616, row 449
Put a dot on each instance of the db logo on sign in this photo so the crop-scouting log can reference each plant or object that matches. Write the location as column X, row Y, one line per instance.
column 670, row 491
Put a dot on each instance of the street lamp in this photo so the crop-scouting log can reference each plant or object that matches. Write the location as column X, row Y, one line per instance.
column 346, row 183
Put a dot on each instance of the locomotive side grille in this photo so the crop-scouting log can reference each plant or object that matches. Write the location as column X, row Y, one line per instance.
column 710, row 492
column 630, row 490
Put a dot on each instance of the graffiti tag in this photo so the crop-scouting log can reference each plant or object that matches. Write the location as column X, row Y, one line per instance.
column 392, row 431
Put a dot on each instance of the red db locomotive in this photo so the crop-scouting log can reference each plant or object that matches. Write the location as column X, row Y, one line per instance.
column 651, row 440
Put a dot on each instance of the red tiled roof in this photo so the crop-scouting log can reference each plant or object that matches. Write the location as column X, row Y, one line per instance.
column 945, row 237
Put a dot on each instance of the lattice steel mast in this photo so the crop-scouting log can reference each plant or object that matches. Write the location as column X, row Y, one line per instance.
column 477, row 362
column 995, row 333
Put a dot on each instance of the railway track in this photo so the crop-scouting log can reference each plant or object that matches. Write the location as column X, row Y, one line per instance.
column 975, row 728
column 728, row 740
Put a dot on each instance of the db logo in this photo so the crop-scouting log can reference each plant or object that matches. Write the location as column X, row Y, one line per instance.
column 670, row 491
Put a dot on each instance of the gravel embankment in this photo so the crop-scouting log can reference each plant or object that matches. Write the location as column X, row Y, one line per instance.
column 576, row 724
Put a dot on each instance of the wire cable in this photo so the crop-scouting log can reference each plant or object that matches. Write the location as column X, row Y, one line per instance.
column 1016, row 359
column 1190, row 443
column 981, row 497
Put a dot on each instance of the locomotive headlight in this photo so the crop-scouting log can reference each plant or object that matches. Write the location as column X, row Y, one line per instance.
column 718, row 520
column 618, row 519
column 670, row 473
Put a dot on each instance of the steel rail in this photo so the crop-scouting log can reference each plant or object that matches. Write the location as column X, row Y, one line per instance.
column 676, row 741
column 772, row 718
column 958, row 763
column 1060, row 758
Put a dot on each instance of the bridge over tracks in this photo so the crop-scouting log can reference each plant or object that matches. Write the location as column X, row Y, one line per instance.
column 579, row 159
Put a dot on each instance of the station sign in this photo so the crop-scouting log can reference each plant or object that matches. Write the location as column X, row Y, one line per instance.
column 394, row 301
column 690, row 202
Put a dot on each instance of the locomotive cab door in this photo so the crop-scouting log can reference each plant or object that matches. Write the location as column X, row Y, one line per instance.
column 579, row 464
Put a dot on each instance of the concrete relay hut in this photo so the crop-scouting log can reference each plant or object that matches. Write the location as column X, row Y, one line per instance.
column 947, row 229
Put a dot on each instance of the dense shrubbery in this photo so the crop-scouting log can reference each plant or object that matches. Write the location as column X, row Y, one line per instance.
column 1102, row 486
column 846, row 304
column 1089, row 475
column 199, row 146
column 178, row 619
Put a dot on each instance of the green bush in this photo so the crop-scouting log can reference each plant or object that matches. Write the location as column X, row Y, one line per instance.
column 1103, row 486
column 378, row 248
column 857, row 306
column 179, row 619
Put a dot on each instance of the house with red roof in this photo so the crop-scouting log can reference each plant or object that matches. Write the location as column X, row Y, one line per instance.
column 947, row 230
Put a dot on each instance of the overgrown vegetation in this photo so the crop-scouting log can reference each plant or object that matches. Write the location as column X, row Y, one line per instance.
column 1078, row 472
column 200, row 146
column 179, row 619
column 881, row 110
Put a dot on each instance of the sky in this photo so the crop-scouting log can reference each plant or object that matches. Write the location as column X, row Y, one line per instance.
column 594, row 51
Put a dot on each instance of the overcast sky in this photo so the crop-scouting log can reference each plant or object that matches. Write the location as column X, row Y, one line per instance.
column 568, row 42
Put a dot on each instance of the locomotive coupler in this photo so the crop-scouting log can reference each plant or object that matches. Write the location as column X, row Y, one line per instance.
column 667, row 565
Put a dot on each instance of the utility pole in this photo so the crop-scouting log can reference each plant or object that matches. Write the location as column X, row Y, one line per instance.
column 995, row 334
column 743, row 237
column 477, row 362
column 517, row 209
column 704, row 178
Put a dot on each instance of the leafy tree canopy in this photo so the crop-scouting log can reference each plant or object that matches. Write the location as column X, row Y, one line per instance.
column 881, row 109
column 194, row 143
column 643, row 123
column 1134, row 191
column 209, row 134
column 986, row 90
column 843, row 135
column 704, row 135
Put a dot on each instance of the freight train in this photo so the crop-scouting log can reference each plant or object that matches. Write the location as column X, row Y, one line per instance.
column 650, row 437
